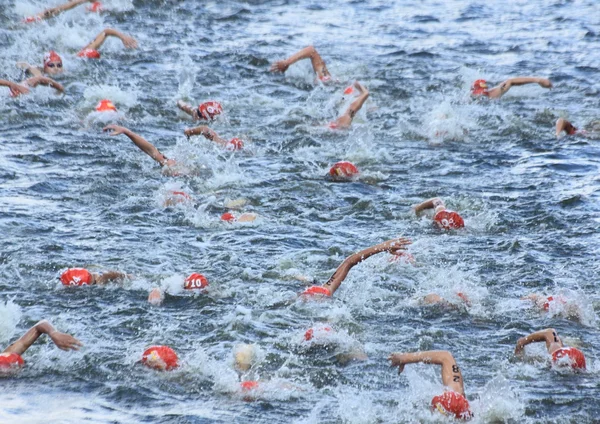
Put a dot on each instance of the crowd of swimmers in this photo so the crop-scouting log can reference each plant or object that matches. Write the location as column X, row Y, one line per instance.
column 452, row 401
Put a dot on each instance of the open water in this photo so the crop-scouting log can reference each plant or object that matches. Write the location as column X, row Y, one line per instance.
column 72, row 196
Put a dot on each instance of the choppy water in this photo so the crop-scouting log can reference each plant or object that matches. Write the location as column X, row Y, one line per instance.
column 72, row 196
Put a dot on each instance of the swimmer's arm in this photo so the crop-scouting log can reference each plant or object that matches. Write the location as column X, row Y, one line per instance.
column 49, row 13
column 428, row 204
column 356, row 104
column 35, row 81
column 30, row 69
column 206, row 132
column 501, row 89
column 128, row 41
column 308, row 52
column 548, row 336
column 564, row 125
column 451, row 374
column 187, row 109
column 61, row 340
column 342, row 271
column 109, row 276
column 15, row 88
column 139, row 141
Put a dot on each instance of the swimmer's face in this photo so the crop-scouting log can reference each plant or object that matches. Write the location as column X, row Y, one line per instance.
column 53, row 67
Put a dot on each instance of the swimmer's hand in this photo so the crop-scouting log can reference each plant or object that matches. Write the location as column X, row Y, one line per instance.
column 519, row 349
column 397, row 361
column 64, row 341
column 17, row 89
column 129, row 42
column 359, row 87
column 280, row 66
column 116, row 129
column 544, row 82
column 395, row 245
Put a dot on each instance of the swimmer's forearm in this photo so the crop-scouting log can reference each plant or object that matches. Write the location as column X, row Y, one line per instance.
column 21, row 345
column 185, row 107
column 62, row 8
column 548, row 335
column 524, row 80
column 110, row 276
column 305, row 53
column 358, row 103
column 206, row 132
column 427, row 204
column 35, row 81
column 437, row 357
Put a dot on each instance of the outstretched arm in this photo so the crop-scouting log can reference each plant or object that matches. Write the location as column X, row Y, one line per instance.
column 451, row 375
column 206, row 132
column 128, row 42
column 62, row 340
column 342, row 271
column 345, row 120
column 139, row 141
column 500, row 90
column 308, row 52
column 549, row 336
column 188, row 109
column 49, row 13
column 429, row 204
column 15, row 89
column 35, row 81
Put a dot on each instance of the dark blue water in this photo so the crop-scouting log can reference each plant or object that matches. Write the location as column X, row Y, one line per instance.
column 72, row 196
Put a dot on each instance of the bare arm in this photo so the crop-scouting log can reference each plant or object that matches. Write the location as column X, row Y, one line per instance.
column 429, row 204
column 549, row 336
column 140, row 142
column 206, row 132
column 451, row 374
column 61, row 340
column 108, row 276
column 308, row 52
column 566, row 126
column 187, row 109
column 341, row 272
column 128, row 41
column 30, row 69
column 35, row 81
column 345, row 120
column 49, row 13
column 501, row 89
column 15, row 89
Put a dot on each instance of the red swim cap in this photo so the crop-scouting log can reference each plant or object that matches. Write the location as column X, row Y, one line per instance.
column 343, row 171
column 452, row 403
column 95, row 7
column 195, row 281
column 316, row 290
column 234, row 144
column 89, row 54
column 479, row 87
column 319, row 330
column 558, row 299
column 576, row 359
column 106, row 106
column 349, row 90
column 76, row 277
column 160, row 358
column 51, row 56
column 208, row 110
column 448, row 220
column 10, row 362
column 249, row 385
column 228, row 216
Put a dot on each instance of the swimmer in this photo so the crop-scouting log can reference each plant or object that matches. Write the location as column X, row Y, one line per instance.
column 566, row 307
column 50, row 13
column 561, row 355
column 443, row 218
column 145, row 146
column 591, row 131
column 24, row 87
column 194, row 281
column 393, row 246
column 453, row 401
column 91, row 50
column 309, row 52
column 53, row 65
column 206, row 111
column 82, row 277
column 244, row 217
column 480, row 86
column 231, row 145
column 10, row 358
column 344, row 121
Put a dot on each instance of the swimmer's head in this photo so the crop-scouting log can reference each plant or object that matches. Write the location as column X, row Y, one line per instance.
column 89, row 54
column 52, row 63
column 479, row 87
column 228, row 217
column 10, row 363
column 244, row 356
column 177, row 197
column 569, row 356
column 249, row 385
column 316, row 291
column 106, row 105
column 317, row 331
column 161, row 358
column 452, row 404
column 95, row 7
column 209, row 110
column 234, row 144
column 76, row 277
column 448, row 220
column 195, row 281
column 343, row 171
